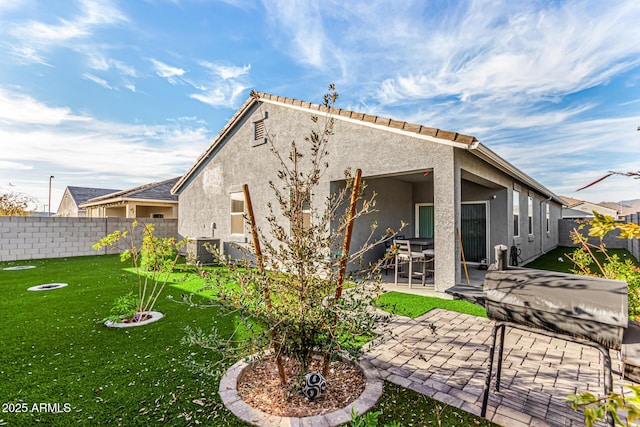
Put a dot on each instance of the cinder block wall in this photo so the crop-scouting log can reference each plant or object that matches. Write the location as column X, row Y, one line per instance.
column 23, row 237
column 611, row 240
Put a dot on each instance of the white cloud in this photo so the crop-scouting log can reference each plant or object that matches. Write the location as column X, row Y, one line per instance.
column 90, row 152
column 227, row 72
column 225, row 85
column 531, row 55
column 97, row 80
column 28, row 55
column 4, row 164
column 10, row 4
column 167, row 71
column 17, row 108
column 302, row 24
column 32, row 36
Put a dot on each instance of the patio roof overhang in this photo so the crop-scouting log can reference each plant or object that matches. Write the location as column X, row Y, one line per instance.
column 484, row 153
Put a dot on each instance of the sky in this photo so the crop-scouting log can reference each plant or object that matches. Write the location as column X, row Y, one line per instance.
column 116, row 94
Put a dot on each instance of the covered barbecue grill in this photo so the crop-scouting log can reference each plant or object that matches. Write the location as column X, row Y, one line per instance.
column 582, row 309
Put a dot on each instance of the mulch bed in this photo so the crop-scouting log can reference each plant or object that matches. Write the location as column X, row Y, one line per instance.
column 259, row 386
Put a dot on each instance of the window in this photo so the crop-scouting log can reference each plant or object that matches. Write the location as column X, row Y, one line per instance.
column 305, row 211
column 516, row 213
column 530, row 214
column 237, row 212
column 547, row 219
column 306, row 214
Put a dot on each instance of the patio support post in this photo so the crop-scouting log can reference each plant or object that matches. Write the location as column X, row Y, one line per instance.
column 446, row 200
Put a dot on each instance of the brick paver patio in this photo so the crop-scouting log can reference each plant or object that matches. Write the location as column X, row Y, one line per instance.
column 450, row 365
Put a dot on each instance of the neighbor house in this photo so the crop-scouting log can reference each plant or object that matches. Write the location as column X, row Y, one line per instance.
column 437, row 181
column 146, row 201
column 581, row 209
column 73, row 197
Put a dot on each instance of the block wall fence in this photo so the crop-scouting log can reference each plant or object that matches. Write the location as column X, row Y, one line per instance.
column 611, row 240
column 24, row 237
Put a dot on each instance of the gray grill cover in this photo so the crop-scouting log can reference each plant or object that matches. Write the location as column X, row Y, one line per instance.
column 580, row 306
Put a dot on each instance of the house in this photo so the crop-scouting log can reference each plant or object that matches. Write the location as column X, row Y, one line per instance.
column 437, row 181
column 73, row 197
column 581, row 209
column 152, row 200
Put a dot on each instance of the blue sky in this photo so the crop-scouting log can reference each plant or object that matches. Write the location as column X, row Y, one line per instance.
column 115, row 94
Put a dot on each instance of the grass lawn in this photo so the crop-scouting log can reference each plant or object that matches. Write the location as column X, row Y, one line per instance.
column 409, row 408
column 551, row 260
column 416, row 305
column 56, row 351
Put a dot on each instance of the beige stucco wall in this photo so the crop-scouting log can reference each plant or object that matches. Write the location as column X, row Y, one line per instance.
column 68, row 207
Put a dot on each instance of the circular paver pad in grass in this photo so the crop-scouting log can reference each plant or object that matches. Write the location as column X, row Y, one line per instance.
column 19, row 267
column 48, row 287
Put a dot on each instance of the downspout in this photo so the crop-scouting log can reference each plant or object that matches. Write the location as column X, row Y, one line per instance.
column 543, row 230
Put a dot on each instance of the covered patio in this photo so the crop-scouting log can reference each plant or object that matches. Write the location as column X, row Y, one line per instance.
column 470, row 215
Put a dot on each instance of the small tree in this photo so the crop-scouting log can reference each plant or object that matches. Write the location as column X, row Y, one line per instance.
column 295, row 293
column 586, row 263
column 153, row 262
column 14, row 204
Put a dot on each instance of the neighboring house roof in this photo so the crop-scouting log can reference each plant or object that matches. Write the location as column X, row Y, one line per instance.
column 82, row 194
column 455, row 139
column 572, row 206
column 155, row 191
column 575, row 214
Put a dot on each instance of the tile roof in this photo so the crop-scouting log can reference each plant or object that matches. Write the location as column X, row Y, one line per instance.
column 160, row 190
column 383, row 121
column 82, row 194
column 336, row 112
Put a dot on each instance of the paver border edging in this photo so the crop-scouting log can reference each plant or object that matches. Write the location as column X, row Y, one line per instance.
column 229, row 394
column 155, row 316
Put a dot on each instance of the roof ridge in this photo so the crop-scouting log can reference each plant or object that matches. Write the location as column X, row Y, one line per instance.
column 367, row 118
column 133, row 190
column 256, row 97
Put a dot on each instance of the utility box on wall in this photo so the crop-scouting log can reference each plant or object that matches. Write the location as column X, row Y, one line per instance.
column 197, row 250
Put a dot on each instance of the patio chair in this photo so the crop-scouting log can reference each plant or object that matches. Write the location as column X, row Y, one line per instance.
column 404, row 255
column 428, row 261
column 389, row 260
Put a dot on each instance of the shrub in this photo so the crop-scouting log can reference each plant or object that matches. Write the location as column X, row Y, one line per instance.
column 153, row 262
column 294, row 292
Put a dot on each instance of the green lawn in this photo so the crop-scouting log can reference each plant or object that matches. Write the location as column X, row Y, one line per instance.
column 55, row 350
column 551, row 260
column 416, row 305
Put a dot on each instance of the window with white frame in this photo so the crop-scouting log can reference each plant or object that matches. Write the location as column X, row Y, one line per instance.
column 237, row 212
column 530, row 214
column 547, row 215
column 305, row 211
column 516, row 213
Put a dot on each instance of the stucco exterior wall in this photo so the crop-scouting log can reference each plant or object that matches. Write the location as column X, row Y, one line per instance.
column 23, row 238
column 502, row 186
column 394, row 204
column 68, row 207
column 205, row 199
column 385, row 158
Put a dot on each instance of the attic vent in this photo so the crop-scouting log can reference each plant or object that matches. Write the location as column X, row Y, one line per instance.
column 259, row 131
